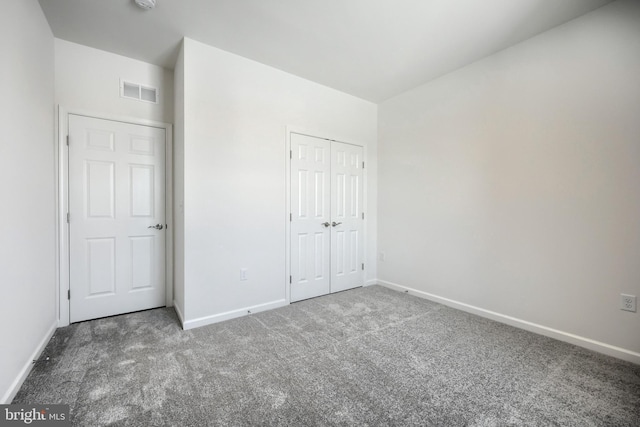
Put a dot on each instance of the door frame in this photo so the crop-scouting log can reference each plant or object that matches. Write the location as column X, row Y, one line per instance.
column 62, row 203
column 330, row 137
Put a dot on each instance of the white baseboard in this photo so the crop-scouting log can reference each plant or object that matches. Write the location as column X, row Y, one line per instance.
column 600, row 347
column 28, row 366
column 179, row 313
column 215, row 318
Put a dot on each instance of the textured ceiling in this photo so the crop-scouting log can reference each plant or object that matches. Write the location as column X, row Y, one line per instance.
column 373, row 49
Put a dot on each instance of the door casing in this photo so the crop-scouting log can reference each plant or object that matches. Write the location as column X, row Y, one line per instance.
column 62, row 203
column 327, row 136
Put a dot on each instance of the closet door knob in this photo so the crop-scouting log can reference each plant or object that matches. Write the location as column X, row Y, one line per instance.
column 326, row 224
column 335, row 223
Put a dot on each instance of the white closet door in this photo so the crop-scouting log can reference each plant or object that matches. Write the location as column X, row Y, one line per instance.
column 116, row 193
column 347, row 237
column 310, row 221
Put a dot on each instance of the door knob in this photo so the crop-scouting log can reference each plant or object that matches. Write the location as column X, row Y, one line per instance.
column 157, row 226
column 326, row 224
column 335, row 223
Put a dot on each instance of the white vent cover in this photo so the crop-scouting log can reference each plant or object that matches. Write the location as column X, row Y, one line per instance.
column 138, row 92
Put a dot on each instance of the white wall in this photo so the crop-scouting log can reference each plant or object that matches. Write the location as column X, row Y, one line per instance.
column 178, row 185
column 88, row 79
column 27, row 217
column 512, row 185
column 236, row 112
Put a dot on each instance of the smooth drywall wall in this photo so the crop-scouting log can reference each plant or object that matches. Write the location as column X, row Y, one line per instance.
column 178, row 185
column 88, row 79
column 235, row 156
column 513, row 185
column 27, row 217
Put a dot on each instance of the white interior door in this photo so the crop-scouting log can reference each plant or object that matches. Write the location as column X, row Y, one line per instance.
column 310, row 216
column 327, row 240
column 117, row 217
column 347, row 245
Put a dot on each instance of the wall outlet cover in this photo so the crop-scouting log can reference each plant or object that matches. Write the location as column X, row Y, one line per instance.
column 628, row 302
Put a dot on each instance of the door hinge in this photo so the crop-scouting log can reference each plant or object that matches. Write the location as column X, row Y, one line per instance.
column 67, row 140
column 291, row 154
column 290, row 217
column 289, row 279
column 362, row 215
column 363, row 266
column 69, row 294
column 68, row 217
column 362, row 165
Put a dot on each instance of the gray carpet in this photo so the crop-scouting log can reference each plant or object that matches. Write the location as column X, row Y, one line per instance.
column 370, row 356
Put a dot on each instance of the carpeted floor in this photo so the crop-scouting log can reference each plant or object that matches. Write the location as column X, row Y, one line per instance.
column 369, row 356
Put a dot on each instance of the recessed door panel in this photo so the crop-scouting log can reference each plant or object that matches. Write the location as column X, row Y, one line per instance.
column 354, row 243
column 100, row 189
column 319, row 194
column 354, row 200
column 100, row 140
column 101, row 266
column 303, row 193
column 339, row 195
column 116, row 191
column 142, row 262
column 142, row 191
column 144, row 145
column 339, row 249
column 320, row 260
column 302, row 257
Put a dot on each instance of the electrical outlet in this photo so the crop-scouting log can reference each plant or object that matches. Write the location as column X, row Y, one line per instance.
column 628, row 302
column 243, row 274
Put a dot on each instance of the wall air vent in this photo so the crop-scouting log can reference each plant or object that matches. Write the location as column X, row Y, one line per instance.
column 138, row 92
